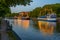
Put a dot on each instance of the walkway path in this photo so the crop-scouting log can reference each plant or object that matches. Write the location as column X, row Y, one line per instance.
column 3, row 32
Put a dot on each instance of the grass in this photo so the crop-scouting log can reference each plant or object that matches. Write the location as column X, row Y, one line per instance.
column 11, row 35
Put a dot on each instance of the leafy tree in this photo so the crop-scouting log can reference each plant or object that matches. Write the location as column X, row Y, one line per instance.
column 11, row 15
column 15, row 2
column 35, row 12
column 54, row 7
column 4, row 9
column 5, row 4
column 41, row 11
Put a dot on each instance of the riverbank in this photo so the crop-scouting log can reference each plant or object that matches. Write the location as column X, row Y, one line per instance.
column 3, row 31
column 6, row 34
column 13, row 36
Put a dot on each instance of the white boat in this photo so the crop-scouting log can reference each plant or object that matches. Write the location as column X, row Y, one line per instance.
column 50, row 18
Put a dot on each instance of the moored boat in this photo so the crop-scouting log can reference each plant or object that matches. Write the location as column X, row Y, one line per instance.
column 50, row 18
column 24, row 18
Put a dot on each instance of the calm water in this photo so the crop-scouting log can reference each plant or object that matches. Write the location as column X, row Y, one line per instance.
column 27, row 30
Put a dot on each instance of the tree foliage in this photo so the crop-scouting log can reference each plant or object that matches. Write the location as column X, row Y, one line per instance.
column 5, row 4
column 15, row 2
column 11, row 15
column 4, row 9
column 35, row 12
column 55, row 8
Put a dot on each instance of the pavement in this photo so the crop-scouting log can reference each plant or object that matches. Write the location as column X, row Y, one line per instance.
column 3, row 32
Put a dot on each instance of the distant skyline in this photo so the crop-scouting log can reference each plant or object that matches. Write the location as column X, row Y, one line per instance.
column 33, row 5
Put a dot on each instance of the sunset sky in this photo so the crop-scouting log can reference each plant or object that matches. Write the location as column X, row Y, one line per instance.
column 33, row 5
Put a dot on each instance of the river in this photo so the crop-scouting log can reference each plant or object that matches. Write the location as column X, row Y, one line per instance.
column 26, row 30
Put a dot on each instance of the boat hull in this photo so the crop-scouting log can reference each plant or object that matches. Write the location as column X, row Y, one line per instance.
column 25, row 18
column 47, row 19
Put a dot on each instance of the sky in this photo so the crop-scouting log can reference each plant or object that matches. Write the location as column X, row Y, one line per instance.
column 33, row 5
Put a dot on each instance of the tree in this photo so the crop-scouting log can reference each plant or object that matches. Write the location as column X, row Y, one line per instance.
column 15, row 2
column 5, row 4
column 42, row 12
column 54, row 7
column 4, row 9
column 35, row 12
column 11, row 15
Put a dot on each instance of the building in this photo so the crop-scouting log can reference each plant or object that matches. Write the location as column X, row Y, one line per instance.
column 22, row 15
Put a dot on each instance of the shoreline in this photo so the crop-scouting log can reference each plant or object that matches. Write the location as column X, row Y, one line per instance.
column 6, row 31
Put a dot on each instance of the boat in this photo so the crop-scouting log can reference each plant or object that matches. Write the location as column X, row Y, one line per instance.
column 48, row 17
column 25, row 18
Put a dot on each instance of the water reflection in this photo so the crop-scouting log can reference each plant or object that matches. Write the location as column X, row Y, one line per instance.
column 46, row 27
column 44, row 32
column 22, row 23
column 25, row 23
column 17, row 22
